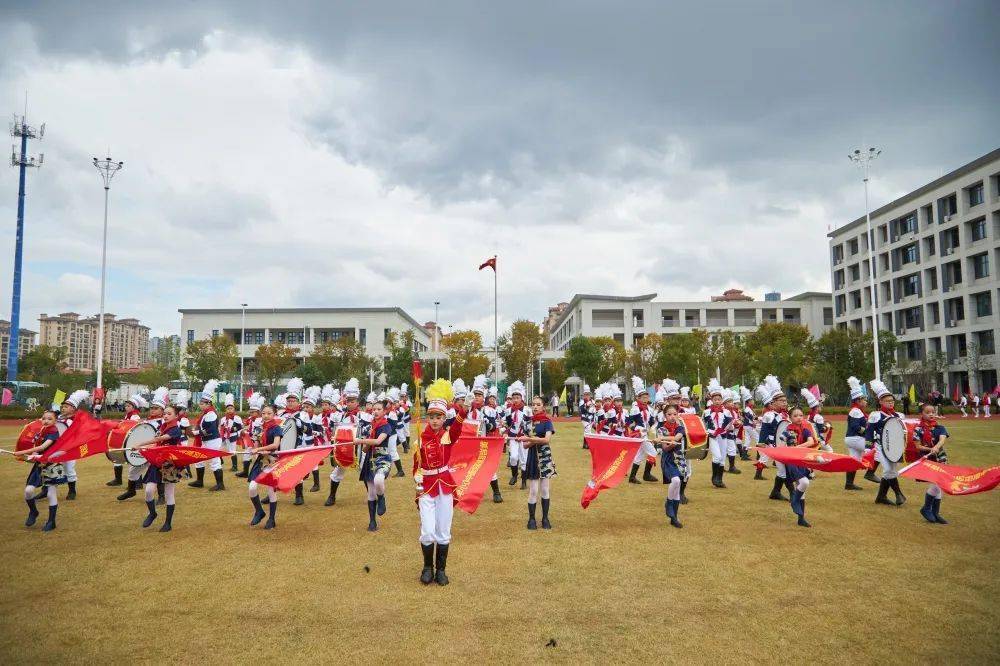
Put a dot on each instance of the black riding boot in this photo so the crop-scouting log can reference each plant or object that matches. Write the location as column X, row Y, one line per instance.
column 732, row 466
column 372, row 507
column 900, row 497
column 232, row 459
column 633, row 472
column 758, row 475
column 71, row 495
column 399, row 469
column 513, row 476
column 332, row 499
column 117, row 481
column 532, row 525
column 50, row 524
column 883, row 490
column 129, row 491
column 497, row 497
column 524, row 479
column 870, row 476
column 646, row 473
column 218, row 480
column 151, row 516
column 315, row 485
column 299, row 501
column 717, row 472
column 849, row 482
column 199, row 481
column 258, row 511
column 245, row 472
column 161, row 498
column 272, row 509
column 684, row 499
column 32, row 513
column 380, row 504
column 546, row 525
column 427, row 573
column 776, row 489
column 168, row 523
column 441, row 562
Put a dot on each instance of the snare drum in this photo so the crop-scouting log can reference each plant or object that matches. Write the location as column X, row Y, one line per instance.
column 779, row 433
column 344, row 452
column 892, row 443
column 129, row 436
column 470, row 428
column 697, row 437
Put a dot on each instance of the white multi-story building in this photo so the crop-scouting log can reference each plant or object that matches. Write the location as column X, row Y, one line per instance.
column 302, row 328
column 936, row 255
column 628, row 319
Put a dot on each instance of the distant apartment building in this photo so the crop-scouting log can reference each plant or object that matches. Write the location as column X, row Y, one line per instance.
column 936, row 255
column 549, row 322
column 25, row 341
column 628, row 319
column 126, row 341
column 157, row 342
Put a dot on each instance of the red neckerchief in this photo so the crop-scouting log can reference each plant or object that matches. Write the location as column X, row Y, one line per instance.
column 47, row 430
column 890, row 413
column 643, row 407
column 855, row 405
column 813, row 412
column 928, row 431
column 166, row 425
column 800, row 431
column 541, row 417
column 716, row 409
column 291, row 412
column 129, row 413
column 378, row 423
column 671, row 428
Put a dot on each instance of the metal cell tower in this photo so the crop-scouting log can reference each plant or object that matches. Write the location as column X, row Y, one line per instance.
column 20, row 129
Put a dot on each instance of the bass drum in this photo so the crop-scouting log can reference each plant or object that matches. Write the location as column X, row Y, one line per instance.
column 779, row 433
column 289, row 435
column 697, row 437
column 26, row 439
column 129, row 436
column 893, row 440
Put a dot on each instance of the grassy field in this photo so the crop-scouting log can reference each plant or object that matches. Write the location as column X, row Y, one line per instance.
column 739, row 583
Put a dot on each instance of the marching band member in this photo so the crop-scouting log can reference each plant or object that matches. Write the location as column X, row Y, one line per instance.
column 43, row 475
column 987, row 401
column 311, row 422
column 718, row 421
column 487, row 418
column 403, row 434
column 963, row 402
column 750, row 422
column 929, row 437
column 729, row 399
column 375, row 461
column 208, row 431
column 168, row 433
column 435, row 484
column 253, row 429
column 303, row 423
column 395, row 418
column 270, row 441
column 854, row 434
column 133, row 405
column 686, row 406
column 539, row 468
column 775, row 411
column 817, row 423
column 180, row 402
column 873, row 434
column 642, row 419
column 798, row 433
column 66, row 411
column 588, row 413
column 611, row 420
column 670, row 434
column 975, row 405
column 351, row 416
column 516, row 419
column 230, row 428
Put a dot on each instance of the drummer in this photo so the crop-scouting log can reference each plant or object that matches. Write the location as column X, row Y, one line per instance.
column 66, row 412
column 873, row 435
column 798, row 433
column 230, row 428
column 670, row 435
column 686, row 406
column 252, row 429
column 818, row 424
column 376, row 461
column 313, row 427
column 929, row 437
column 167, row 434
column 642, row 419
column 775, row 411
column 158, row 402
column 208, row 430
column 270, row 442
column 43, row 475
column 133, row 406
column 854, row 434
column 350, row 417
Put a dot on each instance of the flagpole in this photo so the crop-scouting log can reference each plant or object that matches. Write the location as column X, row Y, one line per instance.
column 496, row 329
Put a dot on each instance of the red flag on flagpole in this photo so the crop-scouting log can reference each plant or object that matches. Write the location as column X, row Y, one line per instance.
column 86, row 436
column 292, row 466
column 955, row 396
column 801, row 456
column 473, row 462
column 953, row 479
column 609, row 459
column 181, row 456
column 489, row 263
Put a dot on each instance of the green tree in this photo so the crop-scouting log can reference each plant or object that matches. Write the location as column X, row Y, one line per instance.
column 399, row 365
column 43, row 361
column 553, row 376
column 464, row 350
column 728, row 352
column 212, row 358
column 273, row 361
column 339, row 360
column 925, row 374
column 156, row 375
column 685, row 356
column 520, row 348
column 583, row 359
column 839, row 354
column 644, row 359
column 613, row 358
column 781, row 349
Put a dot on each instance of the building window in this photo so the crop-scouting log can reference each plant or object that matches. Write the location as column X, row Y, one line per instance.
column 855, row 272
column 841, row 305
column 692, row 319
column 215, row 332
column 607, row 318
column 985, row 341
column 828, row 316
column 984, row 305
column 911, row 285
column 856, row 299
column 838, row 253
column 190, row 335
column 258, row 337
column 947, row 206
column 930, row 245
column 386, row 334
column 981, row 266
column 932, row 278
column 637, row 318
column 908, row 254
column 838, row 279
column 911, row 317
column 852, row 246
column 978, row 229
column 935, row 313
column 908, row 225
column 363, row 337
column 975, row 194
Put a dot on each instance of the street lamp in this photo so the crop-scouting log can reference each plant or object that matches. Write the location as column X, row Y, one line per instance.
column 863, row 160
column 243, row 336
column 107, row 168
column 437, row 346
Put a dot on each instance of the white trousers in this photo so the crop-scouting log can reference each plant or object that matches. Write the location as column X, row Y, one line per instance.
column 70, row 468
column 337, row 474
column 214, row 463
column 393, row 451
column 254, row 489
column 750, row 437
column 435, row 518
column 717, row 447
column 231, row 446
column 731, row 449
column 50, row 494
column 646, row 449
column 517, row 454
column 136, row 473
column 889, row 469
column 855, row 446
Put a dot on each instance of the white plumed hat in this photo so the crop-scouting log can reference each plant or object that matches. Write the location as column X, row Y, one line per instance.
column 255, row 401
column 403, row 389
column 773, row 387
column 615, row 391
column 762, row 394
column 586, row 389
column 372, row 397
column 208, row 392
column 295, row 387
column 76, row 398
column 517, row 388
column 230, row 400
column 393, row 394
column 312, row 395
column 810, row 398
column 729, row 395
column 335, row 397
column 686, row 392
column 494, row 392
column 459, row 389
column 661, row 395
column 670, row 388
column 479, row 384
column 182, row 398
column 745, row 394
column 879, row 388
column 352, row 389
column 715, row 388
column 161, row 397
column 138, row 401
column 639, row 386
column 857, row 391
column 326, row 395
column 280, row 401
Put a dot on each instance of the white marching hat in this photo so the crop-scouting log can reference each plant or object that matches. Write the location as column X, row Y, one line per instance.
column 715, row 388
column 686, row 392
column 586, row 389
column 857, row 391
column 372, row 397
column 208, row 392
column 326, row 395
column 762, row 394
column 661, row 395
column 403, row 389
column 76, row 398
column 638, row 386
column 494, row 392
column 138, row 401
column 479, row 384
column 810, row 398
column 773, row 387
column 615, row 391
column 879, row 388
column 352, row 389
column 161, row 397
column 295, row 388
column 670, row 388
column 517, row 388
column 745, row 394
column 459, row 389
column 182, row 398
column 255, row 401
column 393, row 394
column 281, row 401
column 229, row 400
column 311, row 395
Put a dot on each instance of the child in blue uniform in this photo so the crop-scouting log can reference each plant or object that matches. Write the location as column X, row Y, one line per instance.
column 929, row 437
column 376, row 461
column 873, row 435
column 47, row 475
column 270, row 439
column 798, row 433
column 671, row 437
column 169, row 433
column 539, row 468
column 854, row 435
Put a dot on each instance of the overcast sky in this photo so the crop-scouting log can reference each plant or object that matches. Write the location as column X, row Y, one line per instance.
column 294, row 154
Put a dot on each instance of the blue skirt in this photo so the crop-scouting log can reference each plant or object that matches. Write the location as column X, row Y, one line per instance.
column 37, row 479
column 794, row 473
column 669, row 468
column 152, row 475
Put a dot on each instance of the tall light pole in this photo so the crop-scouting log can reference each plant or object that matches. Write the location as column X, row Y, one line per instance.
column 107, row 168
column 437, row 344
column 19, row 129
column 863, row 160
column 243, row 339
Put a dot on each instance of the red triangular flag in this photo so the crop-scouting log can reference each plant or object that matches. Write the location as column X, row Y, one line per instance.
column 473, row 462
column 86, row 436
column 292, row 466
column 953, row 479
column 801, row 456
column 181, row 456
column 609, row 459
column 489, row 263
